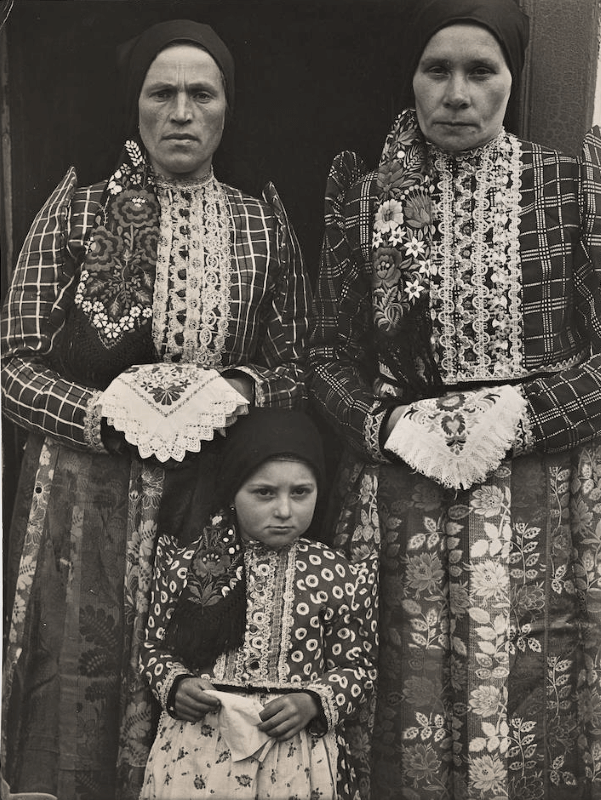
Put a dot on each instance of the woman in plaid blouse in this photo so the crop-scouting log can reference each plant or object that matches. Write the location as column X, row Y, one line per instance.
column 161, row 263
column 458, row 353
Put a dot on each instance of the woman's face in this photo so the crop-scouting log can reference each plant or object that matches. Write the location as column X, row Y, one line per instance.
column 462, row 86
column 276, row 504
column 182, row 108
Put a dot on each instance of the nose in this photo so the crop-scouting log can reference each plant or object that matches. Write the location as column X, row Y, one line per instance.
column 282, row 509
column 181, row 110
column 457, row 92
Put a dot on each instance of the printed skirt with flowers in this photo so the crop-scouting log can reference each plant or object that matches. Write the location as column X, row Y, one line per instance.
column 78, row 718
column 193, row 760
column 490, row 629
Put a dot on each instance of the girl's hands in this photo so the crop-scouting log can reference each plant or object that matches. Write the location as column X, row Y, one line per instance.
column 288, row 715
column 191, row 700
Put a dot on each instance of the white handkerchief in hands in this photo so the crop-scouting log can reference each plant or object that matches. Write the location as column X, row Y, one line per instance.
column 238, row 721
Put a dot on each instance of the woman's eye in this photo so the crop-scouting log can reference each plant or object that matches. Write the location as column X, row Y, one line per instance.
column 481, row 72
column 437, row 71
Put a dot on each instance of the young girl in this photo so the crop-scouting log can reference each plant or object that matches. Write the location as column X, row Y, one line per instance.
column 260, row 643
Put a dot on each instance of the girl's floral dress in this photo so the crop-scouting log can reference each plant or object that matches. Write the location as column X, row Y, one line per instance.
column 310, row 626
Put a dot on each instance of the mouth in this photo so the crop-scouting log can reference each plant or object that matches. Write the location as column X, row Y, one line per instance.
column 448, row 124
column 181, row 137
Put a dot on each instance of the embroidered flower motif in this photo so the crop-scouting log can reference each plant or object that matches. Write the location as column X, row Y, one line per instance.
column 419, row 690
column 403, row 225
column 487, row 501
column 389, row 216
column 387, row 266
column 217, row 566
column 103, row 248
column 116, row 284
column 211, row 561
column 420, row 762
column 391, row 173
column 418, row 209
column 415, row 247
column 424, row 572
column 488, row 773
column 489, row 579
column 135, row 208
column 147, row 240
column 485, row 700
column 165, row 393
column 413, row 289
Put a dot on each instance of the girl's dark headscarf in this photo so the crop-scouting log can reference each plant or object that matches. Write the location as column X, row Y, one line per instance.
column 206, row 621
column 263, row 434
column 135, row 57
column 503, row 18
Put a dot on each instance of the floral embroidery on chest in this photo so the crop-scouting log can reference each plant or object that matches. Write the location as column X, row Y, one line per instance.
column 475, row 290
column 115, row 286
column 192, row 288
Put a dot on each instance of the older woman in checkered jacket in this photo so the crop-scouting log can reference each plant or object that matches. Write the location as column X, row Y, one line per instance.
column 458, row 353
column 146, row 312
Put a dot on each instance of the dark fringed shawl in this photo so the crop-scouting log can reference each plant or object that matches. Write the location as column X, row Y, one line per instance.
column 210, row 615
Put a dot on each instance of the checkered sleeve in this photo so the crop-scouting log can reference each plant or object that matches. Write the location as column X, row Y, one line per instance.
column 278, row 370
column 565, row 409
column 342, row 359
column 34, row 395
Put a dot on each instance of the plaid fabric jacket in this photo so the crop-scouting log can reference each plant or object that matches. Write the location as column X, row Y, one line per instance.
column 270, row 309
column 560, row 248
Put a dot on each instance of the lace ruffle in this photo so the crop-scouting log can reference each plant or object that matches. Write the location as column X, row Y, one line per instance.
column 459, row 439
column 476, row 294
column 92, row 424
column 192, row 286
column 166, row 410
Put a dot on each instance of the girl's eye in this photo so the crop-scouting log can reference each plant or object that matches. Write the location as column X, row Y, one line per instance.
column 302, row 491
column 263, row 491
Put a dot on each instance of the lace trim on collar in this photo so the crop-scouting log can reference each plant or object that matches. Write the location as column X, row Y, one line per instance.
column 192, row 288
column 476, row 294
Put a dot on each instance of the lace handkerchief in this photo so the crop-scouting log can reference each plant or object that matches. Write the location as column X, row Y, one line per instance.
column 460, row 438
column 166, row 409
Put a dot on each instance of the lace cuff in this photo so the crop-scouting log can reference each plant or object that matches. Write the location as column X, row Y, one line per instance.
column 525, row 440
column 166, row 410
column 92, row 429
column 163, row 689
column 460, row 438
column 329, row 710
column 371, row 433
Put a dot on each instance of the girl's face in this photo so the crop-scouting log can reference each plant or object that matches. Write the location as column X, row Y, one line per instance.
column 276, row 504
